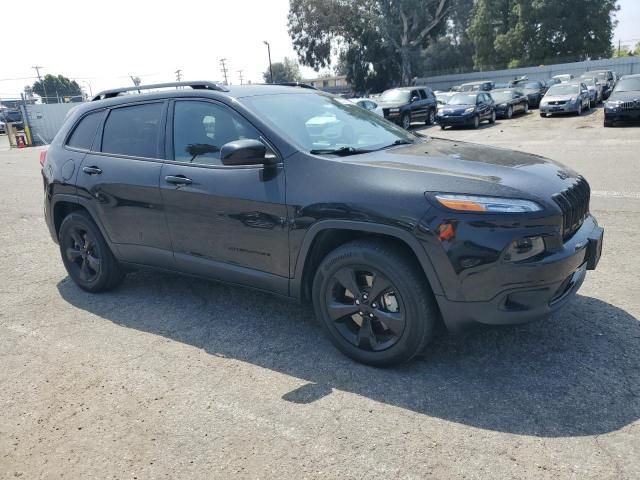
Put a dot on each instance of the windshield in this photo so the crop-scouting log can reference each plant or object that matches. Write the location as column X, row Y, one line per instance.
column 564, row 89
column 461, row 99
column 470, row 88
column 532, row 85
column 500, row 97
column 589, row 82
column 395, row 96
column 322, row 122
column 628, row 85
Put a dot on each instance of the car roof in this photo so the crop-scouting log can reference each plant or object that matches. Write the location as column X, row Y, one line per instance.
column 480, row 82
column 635, row 75
column 503, row 90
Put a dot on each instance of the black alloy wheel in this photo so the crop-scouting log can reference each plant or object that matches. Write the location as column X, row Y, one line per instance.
column 366, row 307
column 374, row 302
column 86, row 255
column 406, row 121
column 431, row 117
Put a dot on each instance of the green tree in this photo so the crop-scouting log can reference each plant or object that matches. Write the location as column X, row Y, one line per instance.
column 520, row 32
column 365, row 34
column 285, row 71
column 53, row 89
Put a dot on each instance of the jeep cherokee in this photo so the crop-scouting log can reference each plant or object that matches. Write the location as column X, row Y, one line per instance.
column 306, row 195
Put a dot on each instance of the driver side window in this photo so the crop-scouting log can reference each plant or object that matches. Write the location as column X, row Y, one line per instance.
column 200, row 129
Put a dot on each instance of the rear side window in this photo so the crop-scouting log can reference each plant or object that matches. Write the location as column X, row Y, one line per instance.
column 85, row 131
column 133, row 131
column 423, row 95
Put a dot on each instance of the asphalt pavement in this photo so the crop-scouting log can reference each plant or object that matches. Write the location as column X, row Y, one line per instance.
column 172, row 377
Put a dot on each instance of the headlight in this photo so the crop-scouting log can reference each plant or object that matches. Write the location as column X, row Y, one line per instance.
column 613, row 104
column 472, row 203
column 502, row 105
column 470, row 110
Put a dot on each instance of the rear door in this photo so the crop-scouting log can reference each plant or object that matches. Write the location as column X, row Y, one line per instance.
column 119, row 179
column 226, row 222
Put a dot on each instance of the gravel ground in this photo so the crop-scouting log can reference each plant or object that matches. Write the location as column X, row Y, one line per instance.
column 170, row 377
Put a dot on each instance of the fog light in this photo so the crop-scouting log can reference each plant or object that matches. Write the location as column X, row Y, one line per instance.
column 524, row 248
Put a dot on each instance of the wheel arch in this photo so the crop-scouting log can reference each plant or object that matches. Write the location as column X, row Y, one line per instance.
column 327, row 235
column 62, row 205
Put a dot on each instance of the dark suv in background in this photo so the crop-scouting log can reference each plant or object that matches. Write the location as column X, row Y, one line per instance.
column 624, row 102
column 306, row 195
column 407, row 105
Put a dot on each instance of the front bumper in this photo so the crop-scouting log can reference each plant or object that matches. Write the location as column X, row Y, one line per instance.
column 453, row 120
column 503, row 293
column 620, row 115
column 566, row 108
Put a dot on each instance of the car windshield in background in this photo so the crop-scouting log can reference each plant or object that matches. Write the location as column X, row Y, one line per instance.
column 395, row 96
column 628, row 85
column 532, row 85
column 461, row 99
column 470, row 88
column 589, row 82
column 563, row 89
column 322, row 123
column 501, row 97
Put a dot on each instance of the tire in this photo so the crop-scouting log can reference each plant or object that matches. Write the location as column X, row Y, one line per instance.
column 608, row 123
column 476, row 122
column 410, row 308
column 579, row 112
column 86, row 255
column 442, row 127
column 431, row 117
column 406, row 121
column 492, row 120
column 509, row 112
column 526, row 108
column 543, row 115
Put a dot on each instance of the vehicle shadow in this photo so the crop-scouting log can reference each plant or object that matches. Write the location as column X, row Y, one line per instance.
column 575, row 374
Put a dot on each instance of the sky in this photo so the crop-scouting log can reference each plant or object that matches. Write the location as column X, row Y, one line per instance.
column 100, row 44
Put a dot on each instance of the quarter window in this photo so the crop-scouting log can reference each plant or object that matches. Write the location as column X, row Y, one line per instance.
column 133, row 131
column 200, row 129
column 85, row 131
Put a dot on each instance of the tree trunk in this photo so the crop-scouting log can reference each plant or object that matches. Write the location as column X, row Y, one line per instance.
column 405, row 56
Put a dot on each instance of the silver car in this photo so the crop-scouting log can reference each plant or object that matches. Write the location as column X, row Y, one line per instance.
column 565, row 98
column 595, row 90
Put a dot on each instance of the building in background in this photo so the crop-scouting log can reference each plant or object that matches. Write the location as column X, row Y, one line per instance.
column 337, row 85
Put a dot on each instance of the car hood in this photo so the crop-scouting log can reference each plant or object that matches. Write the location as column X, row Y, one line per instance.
column 630, row 96
column 391, row 104
column 440, row 165
column 455, row 108
column 559, row 98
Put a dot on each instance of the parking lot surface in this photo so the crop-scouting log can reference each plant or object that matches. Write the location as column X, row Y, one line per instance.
column 172, row 377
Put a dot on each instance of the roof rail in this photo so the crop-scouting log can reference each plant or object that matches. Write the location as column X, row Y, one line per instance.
column 198, row 85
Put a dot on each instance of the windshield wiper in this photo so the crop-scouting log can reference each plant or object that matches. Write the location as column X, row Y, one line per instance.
column 396, row 143
column 342, row 151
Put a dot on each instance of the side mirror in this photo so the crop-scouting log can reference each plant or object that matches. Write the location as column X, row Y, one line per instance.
column 414, row 99
column 244, row 152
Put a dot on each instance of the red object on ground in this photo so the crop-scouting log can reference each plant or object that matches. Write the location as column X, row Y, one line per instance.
column 20, row 141
column 43, row 157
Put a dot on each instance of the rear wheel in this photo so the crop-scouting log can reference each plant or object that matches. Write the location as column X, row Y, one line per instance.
column 86, row 255
column 406, row 121
column 431, row 117
column 510, row 112
column 374, row 303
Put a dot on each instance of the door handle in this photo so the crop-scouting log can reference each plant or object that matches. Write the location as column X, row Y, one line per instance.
column 92, row 170
column 178, row 180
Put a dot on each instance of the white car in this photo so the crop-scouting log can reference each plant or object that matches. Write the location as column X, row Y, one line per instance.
column 368, row 104
column 564, row 78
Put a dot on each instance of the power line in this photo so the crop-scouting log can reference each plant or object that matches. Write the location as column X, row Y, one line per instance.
column 223, row 68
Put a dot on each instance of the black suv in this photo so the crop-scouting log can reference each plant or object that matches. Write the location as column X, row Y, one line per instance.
column 410, row 104
column 624, row 102
column 306, row 195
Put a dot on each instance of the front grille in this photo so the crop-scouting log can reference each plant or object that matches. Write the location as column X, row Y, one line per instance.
column 574, row 203
column 559, row 102
column 631, row 105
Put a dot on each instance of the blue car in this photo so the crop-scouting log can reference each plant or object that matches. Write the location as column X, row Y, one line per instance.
column 467, row 110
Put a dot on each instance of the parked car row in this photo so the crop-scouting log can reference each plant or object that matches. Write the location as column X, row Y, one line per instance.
column 472, row 103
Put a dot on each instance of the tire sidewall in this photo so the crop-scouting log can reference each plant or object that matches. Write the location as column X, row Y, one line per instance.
column 406, row 118
column 417, row 323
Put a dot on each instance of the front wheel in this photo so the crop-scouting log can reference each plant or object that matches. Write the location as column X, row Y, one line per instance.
column 476, row 122
column 510, row 112
column 579, row 112
column 406, row 121
column 526, row 108
column 374, row 302
column 86, row 255
column 492, row 120
column 431, row 117
column 608, row 123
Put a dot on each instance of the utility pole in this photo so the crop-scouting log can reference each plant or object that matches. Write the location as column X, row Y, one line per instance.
column 223, row 68
column 37, row 69
column 240, row 75
column 269, row 51
column 619, row 46
column 178, row 75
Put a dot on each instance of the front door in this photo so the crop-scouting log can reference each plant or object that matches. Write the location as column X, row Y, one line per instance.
column 226, row 222
column 120, row 179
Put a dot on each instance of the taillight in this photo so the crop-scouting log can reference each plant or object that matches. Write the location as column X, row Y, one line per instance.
column 43, row 157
